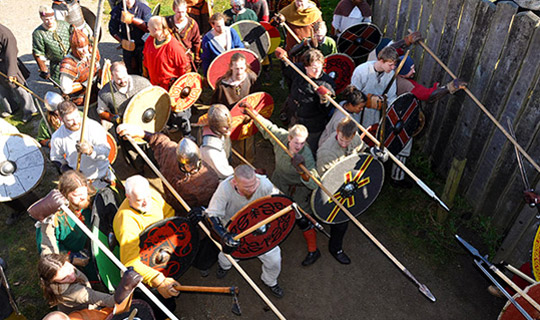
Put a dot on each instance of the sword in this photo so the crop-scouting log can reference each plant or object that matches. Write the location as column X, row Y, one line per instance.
column 476, row 254
column 420, row 183
column 500, row 287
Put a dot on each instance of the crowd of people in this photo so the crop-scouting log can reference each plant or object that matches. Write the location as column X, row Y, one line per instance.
column 156, row 51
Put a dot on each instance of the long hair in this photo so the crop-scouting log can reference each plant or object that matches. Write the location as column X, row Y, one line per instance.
column 48, row 266
column 71, row 180
column 237, row 57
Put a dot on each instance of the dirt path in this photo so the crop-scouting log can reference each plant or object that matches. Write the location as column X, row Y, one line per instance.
column 370, row 288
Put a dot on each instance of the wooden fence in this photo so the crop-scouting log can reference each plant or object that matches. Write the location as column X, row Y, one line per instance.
column 497, row 50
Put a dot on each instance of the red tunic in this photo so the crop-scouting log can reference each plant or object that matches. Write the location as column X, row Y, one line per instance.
column 165, row 61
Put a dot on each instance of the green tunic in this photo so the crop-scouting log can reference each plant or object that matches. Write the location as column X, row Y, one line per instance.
column 246, row 15
column 328, row 46
column 330, row 152
column 286, row 177
column 53, row 45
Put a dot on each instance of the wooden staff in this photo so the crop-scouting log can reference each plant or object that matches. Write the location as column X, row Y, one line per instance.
column 421, row 287
column 481, row 106
column 307, row 215
column 259, row 224
column 420, row 183
column 115, row 260
column 127, row 25
column 91, row 76
column 205, row 229
column 227, row 290
column 289, row 30
column 15, row 81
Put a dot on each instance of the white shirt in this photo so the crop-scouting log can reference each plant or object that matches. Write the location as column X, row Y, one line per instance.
column 341, row 23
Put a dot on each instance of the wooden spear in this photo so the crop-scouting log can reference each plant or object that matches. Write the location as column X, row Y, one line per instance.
column 423, row 288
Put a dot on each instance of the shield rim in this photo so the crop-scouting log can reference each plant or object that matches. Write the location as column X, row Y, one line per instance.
column 517, row 296
column 194, row 235
column 112, row 143
column 150, row 88
column 257, row 24
column 346, row 57
column 38, row 181
column 244, row 208
column 213, row 84
column 327, row 173
column 366, row 23
column 236, row 109
column 270, row 28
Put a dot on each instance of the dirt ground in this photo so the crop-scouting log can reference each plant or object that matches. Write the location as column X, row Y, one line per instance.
column 369, row 288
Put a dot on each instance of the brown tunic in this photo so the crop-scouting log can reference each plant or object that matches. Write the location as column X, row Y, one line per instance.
column 196, row 190
column 230, row 95
column 189, row 37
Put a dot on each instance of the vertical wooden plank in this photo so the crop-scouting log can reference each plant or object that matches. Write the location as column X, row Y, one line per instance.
column 377, row 11
column 403, row 12
column 427, row 6
column 393, row 7
column 483, row 70
column 433, row 37
column 383, row 15
column 414, row 15
column 514, row 56
column 442, row 124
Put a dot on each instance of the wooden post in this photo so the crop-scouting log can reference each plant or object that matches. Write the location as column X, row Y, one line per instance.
column 451, row 187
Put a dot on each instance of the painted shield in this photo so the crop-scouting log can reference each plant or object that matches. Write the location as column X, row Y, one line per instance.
column 220, row 65
column 510, row 312
column 149, row 109
column 169, row 246
column 22, row 165
column 253, row 36
column 262, row 102
column 355, row 181
column 536, row 256
column 105, row 73
column 185, row 91
column 401, row 122
column 144, row 312
column 90, row 19
column 265, row 238
column 359, row 40
column 104, row 207
column 114, row 148
column 339, row 67
column 275, row 36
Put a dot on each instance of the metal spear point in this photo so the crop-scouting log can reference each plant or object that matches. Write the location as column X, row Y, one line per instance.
column 421, row 287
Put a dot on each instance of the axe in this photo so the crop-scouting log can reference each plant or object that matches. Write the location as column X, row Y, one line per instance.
column 226, row 290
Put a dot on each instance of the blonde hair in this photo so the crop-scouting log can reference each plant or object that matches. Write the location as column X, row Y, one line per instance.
column 298, row 130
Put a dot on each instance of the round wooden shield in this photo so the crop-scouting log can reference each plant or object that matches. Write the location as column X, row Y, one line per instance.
column 262, row 102
column 114, row 148
column 220, row 65
column 106, row 75
column 185, row 91
column 253, row 36
column 536, row 256
column 359, row 40
column 149, row 109
column 169, row 246
column 339, row 67
column 355, row 181
column 510, row 312
column 275, row 36
column 267, row 237
column 22, row 165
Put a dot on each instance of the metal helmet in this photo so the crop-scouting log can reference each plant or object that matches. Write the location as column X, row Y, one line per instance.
column 78, row 40
column 52, row 100
column 75, row 15
column 188, row 156
column 219, row 119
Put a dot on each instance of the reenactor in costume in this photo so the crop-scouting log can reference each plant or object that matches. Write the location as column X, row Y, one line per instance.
column 218, row 40
column 237, row 83
column 200, row 11
column 238, row 12
column 142, row 207
column 306, row 105
column 405, row 84
column 319, row 41
column 165, row 60
column 186, row 30
column 94, row 150
column 344, row 142
column 9, row 65
column 300, row 16
column 261, row 9
column 399, row 45
column 349, row 13
column 60, row 10
column 50, row 42
column 52, row 100
column 134, row 21
column 290, row 179
column 372, row 77
column 233, row 194
column 180, row 163
column 216, row 142
column 111, row 105
column 75, row 67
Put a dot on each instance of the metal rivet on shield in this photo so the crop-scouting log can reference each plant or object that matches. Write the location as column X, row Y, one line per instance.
column 7, row 168
column 148, row 115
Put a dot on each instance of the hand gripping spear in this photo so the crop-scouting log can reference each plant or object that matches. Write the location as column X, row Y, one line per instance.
column 422, row 287
column 480, row 259
column 420, row 183
column 480, row 105
column 295, row 206
column 205, row 229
